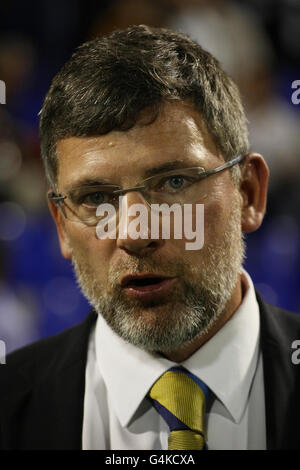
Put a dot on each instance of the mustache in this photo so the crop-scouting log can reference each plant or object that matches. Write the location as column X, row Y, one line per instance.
column 155, row 267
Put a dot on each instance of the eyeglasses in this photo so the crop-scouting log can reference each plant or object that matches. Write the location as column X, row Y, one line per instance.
column 171, row 187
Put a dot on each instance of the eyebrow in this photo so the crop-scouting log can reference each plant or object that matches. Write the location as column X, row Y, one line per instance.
column 86, row 182
column 171, row 165
column 167, row 166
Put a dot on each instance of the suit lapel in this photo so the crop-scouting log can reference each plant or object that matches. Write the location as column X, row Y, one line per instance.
column 44, row 410
column 282, row 408
column 53, row 405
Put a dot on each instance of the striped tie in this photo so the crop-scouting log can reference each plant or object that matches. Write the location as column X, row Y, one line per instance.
column 180, row 398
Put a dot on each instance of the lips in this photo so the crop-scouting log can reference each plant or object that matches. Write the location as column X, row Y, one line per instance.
column 147, row 286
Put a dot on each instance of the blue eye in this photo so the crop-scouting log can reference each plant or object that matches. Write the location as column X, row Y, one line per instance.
column 176, row 182
column 95, row 199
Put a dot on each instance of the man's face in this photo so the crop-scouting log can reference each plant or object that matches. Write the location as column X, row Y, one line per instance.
column 203, row 280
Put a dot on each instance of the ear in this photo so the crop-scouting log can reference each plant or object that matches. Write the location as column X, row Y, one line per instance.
column 253, row 188
column 60, row 223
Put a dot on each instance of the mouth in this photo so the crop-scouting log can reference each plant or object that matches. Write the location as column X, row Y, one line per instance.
column 147, row 286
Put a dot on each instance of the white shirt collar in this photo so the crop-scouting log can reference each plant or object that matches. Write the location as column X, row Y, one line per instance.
column 226, row 363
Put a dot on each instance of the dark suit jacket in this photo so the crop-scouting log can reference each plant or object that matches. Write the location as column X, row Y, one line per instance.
column 42, row 386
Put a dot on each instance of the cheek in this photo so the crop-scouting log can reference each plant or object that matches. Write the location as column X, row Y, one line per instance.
column 218, row 209
column 86, row 245
column 200, row 227
column 209, row 226
column 215, row 217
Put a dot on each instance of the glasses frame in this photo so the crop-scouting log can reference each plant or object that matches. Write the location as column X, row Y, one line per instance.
column 59, row 199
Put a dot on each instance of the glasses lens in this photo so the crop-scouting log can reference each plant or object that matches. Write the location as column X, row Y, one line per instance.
column 174, row 187
column 91, row 204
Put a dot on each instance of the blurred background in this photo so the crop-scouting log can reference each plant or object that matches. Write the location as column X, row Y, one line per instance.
column 258, row 44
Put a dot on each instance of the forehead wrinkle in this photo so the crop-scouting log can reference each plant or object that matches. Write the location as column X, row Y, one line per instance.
column 146, row 172
column 190, row 123
column 185, row 135
column 96, row 153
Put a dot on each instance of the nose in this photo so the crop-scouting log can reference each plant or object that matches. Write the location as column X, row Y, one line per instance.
column 134, row 227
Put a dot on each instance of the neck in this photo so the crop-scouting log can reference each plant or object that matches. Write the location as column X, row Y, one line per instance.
column 186, row 350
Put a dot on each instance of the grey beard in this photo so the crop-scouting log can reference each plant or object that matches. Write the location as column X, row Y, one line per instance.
column 175, row 321
column 195, row 316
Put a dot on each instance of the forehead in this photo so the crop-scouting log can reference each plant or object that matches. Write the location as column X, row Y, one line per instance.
column 178, row 133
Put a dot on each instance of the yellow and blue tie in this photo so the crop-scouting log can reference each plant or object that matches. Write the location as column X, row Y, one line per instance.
column 180, row 398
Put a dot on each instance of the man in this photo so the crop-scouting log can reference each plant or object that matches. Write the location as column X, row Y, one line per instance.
column 179, row 351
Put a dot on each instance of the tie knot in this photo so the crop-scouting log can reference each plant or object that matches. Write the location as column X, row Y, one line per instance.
column 180, row 397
